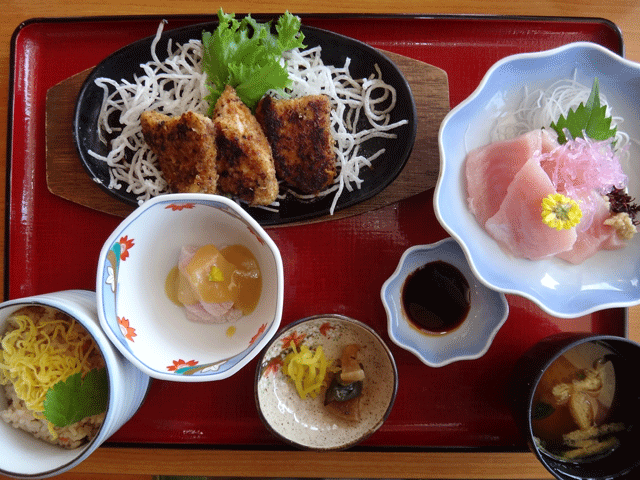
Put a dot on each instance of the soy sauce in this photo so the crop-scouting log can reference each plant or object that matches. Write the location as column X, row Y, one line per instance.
column 436, row 298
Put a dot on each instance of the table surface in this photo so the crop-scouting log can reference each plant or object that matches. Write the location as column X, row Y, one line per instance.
column 142, row 463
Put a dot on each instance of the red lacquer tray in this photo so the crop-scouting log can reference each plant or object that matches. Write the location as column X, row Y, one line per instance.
column 331, row 267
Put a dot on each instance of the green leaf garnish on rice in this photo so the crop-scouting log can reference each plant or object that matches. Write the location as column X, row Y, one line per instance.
column 76, row 398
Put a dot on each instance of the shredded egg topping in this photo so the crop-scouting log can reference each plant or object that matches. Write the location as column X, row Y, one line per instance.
column 38, row 353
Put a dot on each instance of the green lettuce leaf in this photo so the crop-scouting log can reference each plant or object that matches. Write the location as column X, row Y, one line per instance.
column 247, row 55
column 588, row 119
column 75, row 398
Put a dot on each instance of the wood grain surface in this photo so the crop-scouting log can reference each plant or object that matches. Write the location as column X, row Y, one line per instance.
column 67, row 178
column 225, row 464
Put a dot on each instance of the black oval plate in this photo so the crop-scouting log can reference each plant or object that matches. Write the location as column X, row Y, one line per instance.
column 124, row 64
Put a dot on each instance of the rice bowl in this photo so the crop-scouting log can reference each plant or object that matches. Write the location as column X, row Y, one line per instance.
column 25, row 456
column 37, row 334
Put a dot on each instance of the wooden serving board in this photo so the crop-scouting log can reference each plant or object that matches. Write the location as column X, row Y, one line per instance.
column 67, row 178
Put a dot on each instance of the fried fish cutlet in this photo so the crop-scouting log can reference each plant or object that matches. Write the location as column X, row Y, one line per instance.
column 299, row 131
column 245, row 162
column 185, row 148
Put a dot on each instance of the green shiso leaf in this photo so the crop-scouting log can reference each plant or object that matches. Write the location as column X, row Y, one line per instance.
column 75, row 398
column 588, row 119
column 247, row 55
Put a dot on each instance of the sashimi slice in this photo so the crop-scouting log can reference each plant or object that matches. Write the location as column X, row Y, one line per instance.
column 581, row 166
column 204, row 312
column 213, row 312
column 518, row 225
column 186, row 254
column 597, row 237
column 491, row 169
column 584, row 170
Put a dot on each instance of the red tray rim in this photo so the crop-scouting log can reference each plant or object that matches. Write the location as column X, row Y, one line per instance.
column 197, row 18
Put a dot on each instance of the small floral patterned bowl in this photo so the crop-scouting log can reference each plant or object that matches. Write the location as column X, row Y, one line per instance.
column 150, row 329
column 305, row 423
column 472, row 339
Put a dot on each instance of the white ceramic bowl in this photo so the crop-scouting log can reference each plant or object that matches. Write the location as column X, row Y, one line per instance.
column 140, row 319
column 24, row 456
column 606, row 280
column 305, row 423
column 472, row 339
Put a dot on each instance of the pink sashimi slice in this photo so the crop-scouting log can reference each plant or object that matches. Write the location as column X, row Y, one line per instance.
column 213, row 312
column 595, row 238
column 582, row 166
column 204, row 312
column 491, row 169
column 518, row 226
column 186, row 254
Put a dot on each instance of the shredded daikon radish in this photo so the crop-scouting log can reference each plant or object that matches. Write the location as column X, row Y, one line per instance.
column 541, row 107
column 361, row 112
column 172, row 87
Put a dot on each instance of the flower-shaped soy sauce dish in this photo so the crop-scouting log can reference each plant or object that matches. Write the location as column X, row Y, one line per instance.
column 319, row 420
column 437, row 309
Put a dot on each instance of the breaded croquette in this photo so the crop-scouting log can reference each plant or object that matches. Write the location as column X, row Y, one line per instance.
column 299, row 132
column 245, row 162
column 185, row 149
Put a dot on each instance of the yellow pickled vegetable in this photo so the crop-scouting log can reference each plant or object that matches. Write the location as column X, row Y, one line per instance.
column 307, row 369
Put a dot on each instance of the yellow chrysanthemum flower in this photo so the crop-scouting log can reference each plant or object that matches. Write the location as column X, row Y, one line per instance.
column 560, row 212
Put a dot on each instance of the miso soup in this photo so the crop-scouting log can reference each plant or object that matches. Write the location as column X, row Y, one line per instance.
column 573, row 415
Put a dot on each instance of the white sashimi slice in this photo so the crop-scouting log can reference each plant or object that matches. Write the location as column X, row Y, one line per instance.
column 518, row 225
column 595, row 238
column 491, row 169
column 203, row 312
